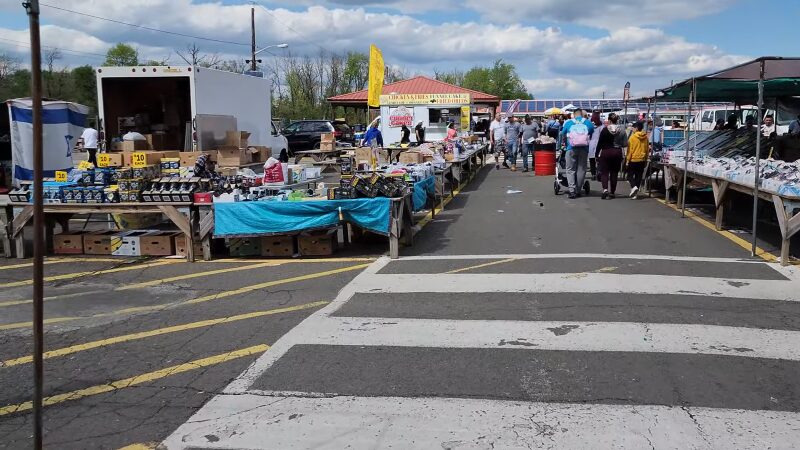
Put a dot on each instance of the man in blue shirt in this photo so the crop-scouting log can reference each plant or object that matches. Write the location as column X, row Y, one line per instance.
column 577, row 133
column 373, row 137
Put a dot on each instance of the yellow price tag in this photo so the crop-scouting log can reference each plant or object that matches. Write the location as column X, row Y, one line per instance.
column 61, row 176
column 85, row 165
column 138, row 159
column 103, row 160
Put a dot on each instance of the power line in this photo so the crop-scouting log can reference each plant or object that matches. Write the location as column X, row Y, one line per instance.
column 27, row 44
column 142, row 27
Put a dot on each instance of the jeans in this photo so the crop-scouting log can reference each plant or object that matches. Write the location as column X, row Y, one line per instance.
column 527, row 149
column 577, row 158
column 512, row 148
column 610, row 161
column 635, row 173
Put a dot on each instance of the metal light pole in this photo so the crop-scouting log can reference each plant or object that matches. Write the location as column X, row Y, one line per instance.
column 253, row 38
column 626, row 95
column 692, row 100
column 32, row 9
column 758, row 154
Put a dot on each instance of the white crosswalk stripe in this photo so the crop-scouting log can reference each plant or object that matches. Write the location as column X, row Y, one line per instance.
column 247, row 415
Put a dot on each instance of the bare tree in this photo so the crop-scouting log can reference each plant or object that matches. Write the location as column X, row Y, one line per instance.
column 8, row 65
column 54, row 81
column 195, row 57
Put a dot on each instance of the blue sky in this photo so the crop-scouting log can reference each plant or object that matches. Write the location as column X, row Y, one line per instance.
column 559, row 51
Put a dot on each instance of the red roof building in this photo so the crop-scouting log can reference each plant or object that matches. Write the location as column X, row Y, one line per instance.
column 416, row 85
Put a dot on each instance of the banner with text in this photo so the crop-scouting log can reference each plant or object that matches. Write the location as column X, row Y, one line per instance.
column 426, row 99
column 401, row 116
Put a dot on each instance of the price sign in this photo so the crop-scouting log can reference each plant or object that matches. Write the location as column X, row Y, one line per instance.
column 138, row 159
column 61, row 176
column 103, row 160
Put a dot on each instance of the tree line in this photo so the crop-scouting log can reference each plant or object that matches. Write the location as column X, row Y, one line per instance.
column 301, row 84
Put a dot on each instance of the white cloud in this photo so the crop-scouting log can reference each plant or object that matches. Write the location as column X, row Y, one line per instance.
column 554, row 61
column 608, row 14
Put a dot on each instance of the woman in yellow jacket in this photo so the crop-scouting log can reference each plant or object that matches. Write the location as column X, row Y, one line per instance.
column 636, row 158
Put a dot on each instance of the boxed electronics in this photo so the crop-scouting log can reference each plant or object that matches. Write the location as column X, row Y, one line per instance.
column 318, row 243
column 68, row 243
column 277, row 246
column 130, row 245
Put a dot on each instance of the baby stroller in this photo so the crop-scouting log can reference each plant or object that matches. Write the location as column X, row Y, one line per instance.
column 561, row 174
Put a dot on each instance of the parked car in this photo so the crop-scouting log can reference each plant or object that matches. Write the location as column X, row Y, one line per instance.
column 306, row 134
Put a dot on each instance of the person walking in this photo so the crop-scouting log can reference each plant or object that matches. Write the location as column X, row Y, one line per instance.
column 578, row 133
column 553, row 127
column 513, row 133
column 497, row 137
column 530, row 131
column 636, row 157
column 593, row 143
column 611, row 142
column 89, row 142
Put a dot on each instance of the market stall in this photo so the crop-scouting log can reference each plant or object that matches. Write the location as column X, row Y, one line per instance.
column 733, row 160
column 433, row 111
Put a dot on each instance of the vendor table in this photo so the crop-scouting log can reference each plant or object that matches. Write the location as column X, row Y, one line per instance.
column 317, row 155
column 180, row 214
column 785, row 206
column 391, row 217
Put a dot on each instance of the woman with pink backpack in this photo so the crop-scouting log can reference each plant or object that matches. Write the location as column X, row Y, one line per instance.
column 577, row 132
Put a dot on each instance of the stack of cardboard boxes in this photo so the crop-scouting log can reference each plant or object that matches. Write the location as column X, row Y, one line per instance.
column 236, row 151
column 118, row 243
column 327, row 142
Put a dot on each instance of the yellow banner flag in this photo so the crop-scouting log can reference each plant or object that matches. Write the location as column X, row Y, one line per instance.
column 376, row 70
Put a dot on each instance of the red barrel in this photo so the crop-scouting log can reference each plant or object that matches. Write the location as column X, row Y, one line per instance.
column 545, row 163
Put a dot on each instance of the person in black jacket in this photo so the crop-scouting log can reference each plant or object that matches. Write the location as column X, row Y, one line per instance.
column 609, row 152
column 405, row 135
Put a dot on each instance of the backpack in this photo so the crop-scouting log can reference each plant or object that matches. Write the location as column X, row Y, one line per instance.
column 578, row 134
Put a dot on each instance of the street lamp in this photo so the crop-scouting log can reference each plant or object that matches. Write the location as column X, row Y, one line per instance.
column 271, row 46
column 252, row 61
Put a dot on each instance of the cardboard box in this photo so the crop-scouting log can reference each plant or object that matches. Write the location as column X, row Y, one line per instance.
column 110, row 160
column 318, row 243
column 68, row 244
column 282, row 246
column 327, row 146
column 260, row 153
column 411, row 157
column 155, row 141
column 180, row 246
column 232, row 156
column 364, row 154
column 244, row 247
column 129, row 146
column 327, row 137
column 189, row 158
column 158, row 243
column 101, row 242
column 130, row 245
column 237, row 139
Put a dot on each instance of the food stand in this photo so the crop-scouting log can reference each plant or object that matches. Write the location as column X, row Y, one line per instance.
column 435, row 111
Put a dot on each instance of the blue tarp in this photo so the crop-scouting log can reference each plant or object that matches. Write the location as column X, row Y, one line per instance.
column 260, row 218
column 421, row 190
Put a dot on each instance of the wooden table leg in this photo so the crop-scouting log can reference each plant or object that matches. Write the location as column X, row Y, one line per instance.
column 8, row 217
column 184, row 224
column 18, row 229
column 719, row 187
column 789, row 224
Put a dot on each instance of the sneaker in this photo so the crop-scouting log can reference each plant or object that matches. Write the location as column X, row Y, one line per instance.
column 524, row 170
column 497, row 166
column 605, row 195
column 634, row 191
column 612, row 196
column 571, row 196
column 505, row 164
column 513, row 168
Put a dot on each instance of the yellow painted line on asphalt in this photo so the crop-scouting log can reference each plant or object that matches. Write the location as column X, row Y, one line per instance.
column 267, row 284
column 61, row 261
column 141, row 446
column 195, row 275
column 137, row 379
column 69, row 276
column 206, row 298
column 159, row 332
column 290, row 261
column 493, row 263
column 747, row 245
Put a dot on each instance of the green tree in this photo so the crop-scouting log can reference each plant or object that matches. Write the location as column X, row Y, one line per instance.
column 84, row 86
column 122, row 55
column 501, row 80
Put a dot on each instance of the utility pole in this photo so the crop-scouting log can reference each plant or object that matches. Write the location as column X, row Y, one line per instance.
column 253, row 38
column 32, row 9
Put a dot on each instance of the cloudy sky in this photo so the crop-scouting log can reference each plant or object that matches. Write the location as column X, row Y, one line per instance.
column 561, row 48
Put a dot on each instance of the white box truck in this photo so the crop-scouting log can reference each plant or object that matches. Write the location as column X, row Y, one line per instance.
column 164, row 99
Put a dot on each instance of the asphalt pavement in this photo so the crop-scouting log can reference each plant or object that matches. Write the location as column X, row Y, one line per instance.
column 522, row 319
column 518, row 319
